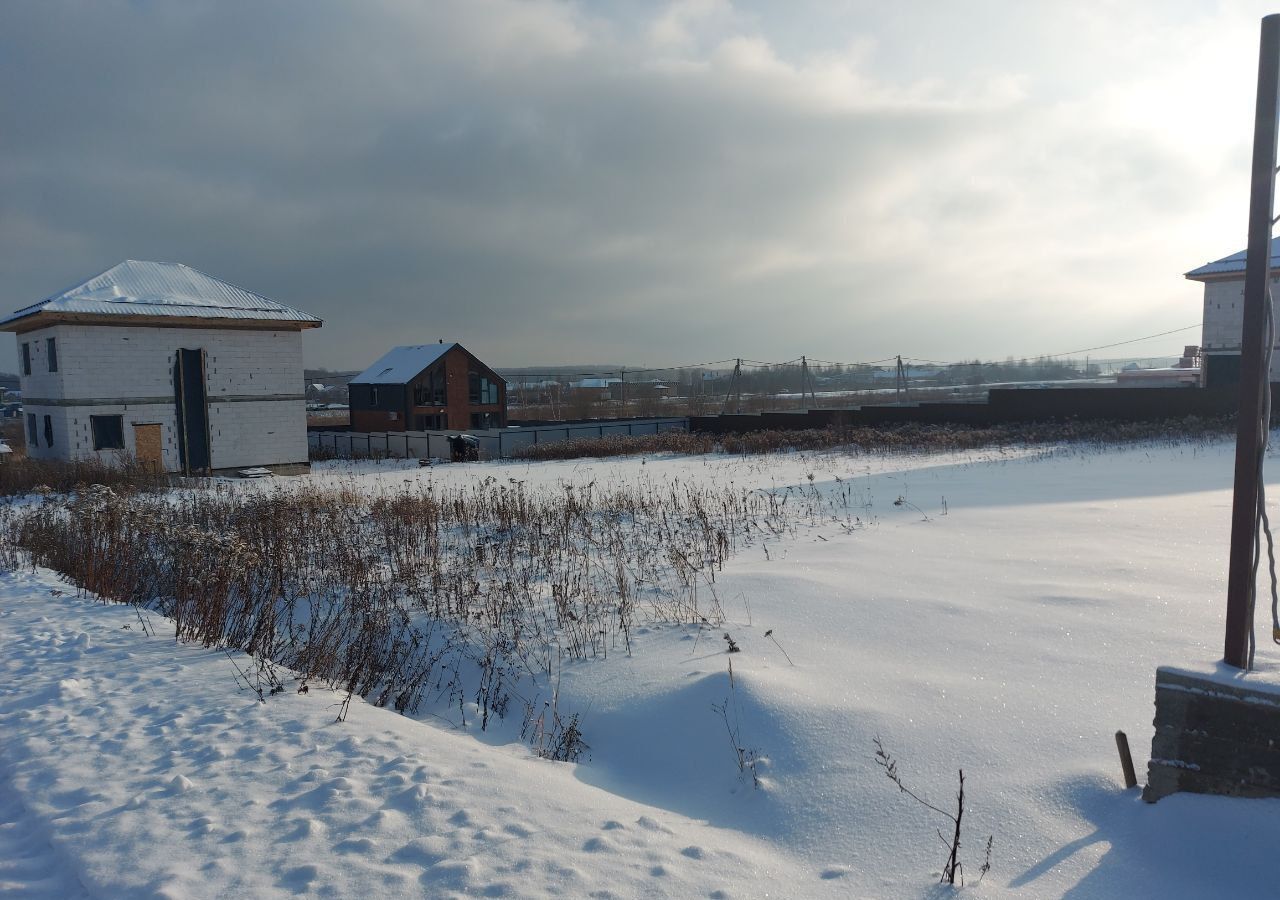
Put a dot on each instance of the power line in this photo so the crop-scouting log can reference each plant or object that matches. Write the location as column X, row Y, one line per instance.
column 760, row 364
column 1123, row 343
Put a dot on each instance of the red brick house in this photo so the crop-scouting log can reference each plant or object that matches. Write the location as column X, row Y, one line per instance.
column 428, row 387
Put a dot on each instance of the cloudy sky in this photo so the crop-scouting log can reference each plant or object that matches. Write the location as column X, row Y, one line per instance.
column 645, row 183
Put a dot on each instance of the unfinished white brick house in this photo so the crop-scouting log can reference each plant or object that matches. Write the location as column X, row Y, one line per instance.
column 1223, row 281
column 161, row 363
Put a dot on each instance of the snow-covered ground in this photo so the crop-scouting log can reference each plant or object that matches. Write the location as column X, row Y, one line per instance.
column 1007, row 617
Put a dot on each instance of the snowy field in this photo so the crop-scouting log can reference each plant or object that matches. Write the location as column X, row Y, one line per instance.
column 1006, row 617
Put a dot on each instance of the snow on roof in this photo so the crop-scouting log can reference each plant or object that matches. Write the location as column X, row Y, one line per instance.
column 400, row 365
column 140, row 288
column 1234, row 263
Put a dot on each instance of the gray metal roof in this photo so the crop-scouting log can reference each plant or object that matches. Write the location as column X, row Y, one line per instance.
column 1233, row 264
column 400, row 365
column 139, row 288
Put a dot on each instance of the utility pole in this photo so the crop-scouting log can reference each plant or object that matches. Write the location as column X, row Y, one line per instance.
column 807, row 383
column 735, row 388
column 1251, row 432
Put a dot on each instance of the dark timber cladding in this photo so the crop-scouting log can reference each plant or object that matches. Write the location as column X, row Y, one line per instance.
column 192, row 411
column 1241, row 581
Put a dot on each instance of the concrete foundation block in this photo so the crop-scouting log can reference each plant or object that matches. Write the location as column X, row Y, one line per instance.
column 1215, row 734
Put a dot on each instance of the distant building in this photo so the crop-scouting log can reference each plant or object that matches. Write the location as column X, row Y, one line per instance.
column 1166, row 376
column 427, row 387
column 1223, row 282
column 163, row 364
column 596, row 388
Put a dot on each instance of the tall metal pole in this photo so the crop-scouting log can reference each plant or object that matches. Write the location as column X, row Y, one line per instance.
column 1257, row 273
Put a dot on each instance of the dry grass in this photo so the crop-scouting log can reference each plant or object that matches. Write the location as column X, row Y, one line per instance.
column 469, row 597
column 24, row 475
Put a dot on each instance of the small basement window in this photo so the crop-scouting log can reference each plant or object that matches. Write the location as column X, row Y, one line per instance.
column 51, row 347
column 108, row 432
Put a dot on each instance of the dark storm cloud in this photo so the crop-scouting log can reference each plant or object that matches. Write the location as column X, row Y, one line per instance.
column 547, row 182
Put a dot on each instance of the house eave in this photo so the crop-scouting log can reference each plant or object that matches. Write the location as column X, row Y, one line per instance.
column 44, row 319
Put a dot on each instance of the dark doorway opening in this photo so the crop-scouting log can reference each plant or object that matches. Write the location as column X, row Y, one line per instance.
column 193, row 411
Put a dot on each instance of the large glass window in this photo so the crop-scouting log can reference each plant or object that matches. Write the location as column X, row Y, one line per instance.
column 108, row 432
column 429, row 389
column 483, row 391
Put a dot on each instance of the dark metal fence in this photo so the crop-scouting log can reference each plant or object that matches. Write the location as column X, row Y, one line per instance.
column 1003, row 405
column 494, row 443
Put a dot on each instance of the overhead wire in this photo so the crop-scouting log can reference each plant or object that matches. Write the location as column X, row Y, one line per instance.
column 756, row 363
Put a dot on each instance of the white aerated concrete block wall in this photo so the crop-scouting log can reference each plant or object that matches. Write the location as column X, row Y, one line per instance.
column 258, row 434
column 1224, row 317
column 128, row 371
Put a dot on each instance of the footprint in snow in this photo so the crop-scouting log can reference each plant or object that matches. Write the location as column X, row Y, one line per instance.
column 423, row 852
column 833, row 872
column 202, row 826
column 299, row 878
column 305, row 828
column 694, row 852
column 653, row 825
column 361, row 846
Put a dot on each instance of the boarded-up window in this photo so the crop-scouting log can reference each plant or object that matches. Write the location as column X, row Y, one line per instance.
column 108, row 432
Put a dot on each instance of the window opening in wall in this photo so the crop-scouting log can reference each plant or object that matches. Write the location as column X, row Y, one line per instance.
column 108, row 432
column 26, row 358
column 51, row 348
column 48, row 431
column 482, row 390
column 373, row 396
column 430, row 390
column 31, row 428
